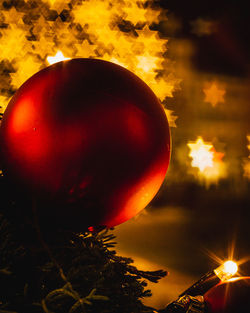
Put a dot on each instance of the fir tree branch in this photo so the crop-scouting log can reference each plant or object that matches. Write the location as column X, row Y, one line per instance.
column 79, row 273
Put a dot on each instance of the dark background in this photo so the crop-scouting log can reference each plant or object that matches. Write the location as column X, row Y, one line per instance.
column 189, row 225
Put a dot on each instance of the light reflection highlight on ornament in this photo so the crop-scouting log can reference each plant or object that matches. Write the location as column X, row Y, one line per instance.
column 23, row 115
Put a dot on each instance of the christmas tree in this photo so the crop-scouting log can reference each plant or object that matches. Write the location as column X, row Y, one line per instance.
column 66, row 272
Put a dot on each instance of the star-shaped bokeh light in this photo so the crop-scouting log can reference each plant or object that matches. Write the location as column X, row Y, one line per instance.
column 37, row 33
column 57, row 58
column 201, row 154
column 207, row 160
column 214, row 95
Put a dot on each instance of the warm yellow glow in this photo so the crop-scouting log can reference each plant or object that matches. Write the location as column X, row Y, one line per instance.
column 30, row 65
column 147, row 63
column 201, row 154
column 248, row 145
column 231, row 267
column 3, row 103
column 114, row 60
column 24, row 114
column 57, row 58
column 134, row 12
column 207, row 160
column 171, row 117
column 51, row 2
column 213, row 94
column 226, row 270
column 90, row 29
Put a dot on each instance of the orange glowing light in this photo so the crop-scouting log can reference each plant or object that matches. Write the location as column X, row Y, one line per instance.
column 208, row 160
column 57, row 58
column 87, row 34
column 114, row 60
column 51, row 2
column 147, row 63
column 3, row 103
column 227, row 270
column 231, row 267
column 248, row 145
column 201, row 154
column 22, row 117
column 30, row 65
column 214, row 95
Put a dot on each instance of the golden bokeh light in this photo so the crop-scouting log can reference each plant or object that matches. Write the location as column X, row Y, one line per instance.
column 214, row 95
column 57, row 58
column 201, row 154
column 207, row 160
column 46, row 32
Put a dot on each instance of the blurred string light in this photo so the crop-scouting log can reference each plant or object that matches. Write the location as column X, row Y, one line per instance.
column 246, row 161
column 35, row 32
column 207, row 160
column 213, row 94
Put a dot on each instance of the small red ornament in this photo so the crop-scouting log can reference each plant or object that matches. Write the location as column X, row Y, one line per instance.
column 232, row 296
column 89, row 139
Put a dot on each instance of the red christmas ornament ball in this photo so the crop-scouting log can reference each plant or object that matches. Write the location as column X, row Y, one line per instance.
column 88, row 139
column 232, row 296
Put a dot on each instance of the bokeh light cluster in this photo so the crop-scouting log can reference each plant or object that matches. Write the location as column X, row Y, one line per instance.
column 133, row 34
column 120, row 31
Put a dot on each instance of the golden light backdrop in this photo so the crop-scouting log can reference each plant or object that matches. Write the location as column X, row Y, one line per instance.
column 118, row 31
column 34, row 34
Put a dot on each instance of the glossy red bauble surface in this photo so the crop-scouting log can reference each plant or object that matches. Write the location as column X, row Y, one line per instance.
column 232, row 296
column 89, row 137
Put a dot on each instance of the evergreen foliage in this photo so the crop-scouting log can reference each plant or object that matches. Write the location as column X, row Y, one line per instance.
column 66, row 272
